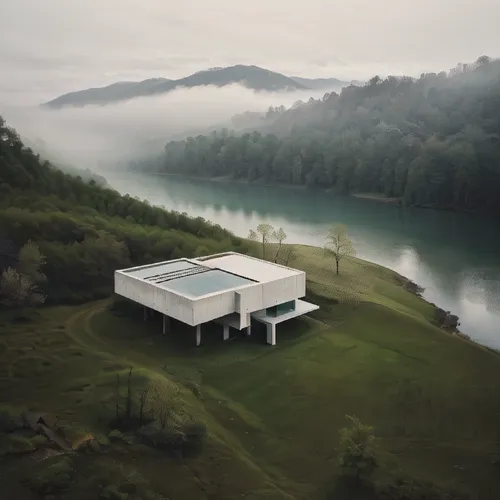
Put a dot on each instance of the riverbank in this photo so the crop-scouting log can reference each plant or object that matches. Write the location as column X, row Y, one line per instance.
column 444, row 252
column 375, row 197
column 445, row 320
column 378, row 197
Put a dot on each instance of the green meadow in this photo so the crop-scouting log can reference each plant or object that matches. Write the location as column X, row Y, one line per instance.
column 272, row 414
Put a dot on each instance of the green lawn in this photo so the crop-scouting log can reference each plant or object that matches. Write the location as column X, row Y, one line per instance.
column 273, row 413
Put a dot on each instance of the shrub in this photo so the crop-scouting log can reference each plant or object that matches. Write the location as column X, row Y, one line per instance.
column 194, row 437
column 117, row 436
column 39, row 440
column 163, row 438
column 402, row 487
column 53, row 479
column 185, row 439
column 10, row 419
column 111, row 492
column 15, row 445
column 194, row 388
column 357, row 449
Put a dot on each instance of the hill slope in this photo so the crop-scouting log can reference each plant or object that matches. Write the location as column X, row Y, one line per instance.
column 376, row 355
column 84, row 230
column 252, row 77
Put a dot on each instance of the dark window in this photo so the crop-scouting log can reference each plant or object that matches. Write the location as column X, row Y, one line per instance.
column 281, row 308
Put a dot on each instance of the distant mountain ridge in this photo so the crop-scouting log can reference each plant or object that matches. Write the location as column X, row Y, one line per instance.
column 324, row 83
column 252, row 77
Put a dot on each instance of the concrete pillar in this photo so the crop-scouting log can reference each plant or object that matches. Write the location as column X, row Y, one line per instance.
column 167, row 324
column 198, row 335
column 271, row 334
column 248, row 330
column 226, row 332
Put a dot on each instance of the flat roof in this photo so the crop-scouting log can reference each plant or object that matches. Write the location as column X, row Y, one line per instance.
column 250, row 267
column 214, row 280
column 188, row 278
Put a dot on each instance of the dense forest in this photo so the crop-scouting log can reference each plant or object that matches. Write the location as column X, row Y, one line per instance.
column 84, row 231
column 431, row 141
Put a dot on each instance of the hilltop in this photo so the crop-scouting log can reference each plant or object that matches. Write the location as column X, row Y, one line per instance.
column 251, row 77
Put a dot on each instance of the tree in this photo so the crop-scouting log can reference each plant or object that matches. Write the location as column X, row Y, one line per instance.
column 18, row 290
column 164, row 401
column 279, row 236
column 357, row 453
column 30, row 262
column 338, row 244
column 289, row 254
column 143, row 401
column 266, row 232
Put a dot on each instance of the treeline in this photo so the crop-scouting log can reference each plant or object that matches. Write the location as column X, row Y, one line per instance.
column 83, row 231
column 430, row 141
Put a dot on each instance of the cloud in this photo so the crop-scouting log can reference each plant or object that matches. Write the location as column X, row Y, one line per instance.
column 52, row 47
column 94, row 135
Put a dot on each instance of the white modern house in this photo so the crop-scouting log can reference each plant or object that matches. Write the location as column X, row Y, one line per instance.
column 230, row 289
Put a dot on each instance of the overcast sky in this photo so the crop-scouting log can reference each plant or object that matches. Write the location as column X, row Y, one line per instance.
column 49, row 47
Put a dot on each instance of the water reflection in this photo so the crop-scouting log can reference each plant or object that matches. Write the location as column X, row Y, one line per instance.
column 455, row 257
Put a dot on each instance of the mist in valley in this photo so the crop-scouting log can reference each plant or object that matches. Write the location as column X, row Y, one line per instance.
column 101, row 137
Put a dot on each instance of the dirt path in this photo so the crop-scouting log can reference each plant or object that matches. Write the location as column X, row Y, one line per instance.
column 79, row 329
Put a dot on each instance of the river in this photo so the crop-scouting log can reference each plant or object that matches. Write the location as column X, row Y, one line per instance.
column 455, row 257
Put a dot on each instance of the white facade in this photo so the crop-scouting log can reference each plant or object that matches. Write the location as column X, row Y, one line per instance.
column 217, row 287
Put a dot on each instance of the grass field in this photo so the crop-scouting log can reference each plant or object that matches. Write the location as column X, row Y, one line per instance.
column 272, row 413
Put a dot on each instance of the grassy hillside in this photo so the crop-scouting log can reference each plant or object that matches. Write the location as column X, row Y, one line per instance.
column 272, row 413
column 84, row 230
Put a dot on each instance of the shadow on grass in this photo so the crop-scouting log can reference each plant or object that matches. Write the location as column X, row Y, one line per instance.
column 347, row 488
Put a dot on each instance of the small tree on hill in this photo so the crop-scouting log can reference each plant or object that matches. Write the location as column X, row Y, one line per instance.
column 357, row 454
column 338, row 244
column 264, row 233
column 280, row 237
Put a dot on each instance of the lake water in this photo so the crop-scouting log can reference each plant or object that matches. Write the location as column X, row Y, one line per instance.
column 455, row 257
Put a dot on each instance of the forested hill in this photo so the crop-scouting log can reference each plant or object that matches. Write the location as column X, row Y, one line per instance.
column 252, row 77
column 83, row 231
column 431, row 141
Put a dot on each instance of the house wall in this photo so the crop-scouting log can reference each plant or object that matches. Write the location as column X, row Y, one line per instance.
column 246, row 300
column 263, row 295
column 213, row 306
column 159, row 299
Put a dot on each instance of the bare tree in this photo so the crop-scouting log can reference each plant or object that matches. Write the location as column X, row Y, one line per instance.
column 128, row 402
column 279, row 236
column 143, row 401
column 289, row 254
column 339, row 244
column 264, row 233
column 117, row 396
